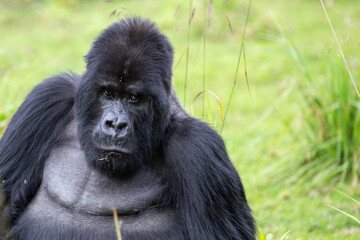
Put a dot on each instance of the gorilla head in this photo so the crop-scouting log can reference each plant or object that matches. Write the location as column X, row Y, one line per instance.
column 122, row 101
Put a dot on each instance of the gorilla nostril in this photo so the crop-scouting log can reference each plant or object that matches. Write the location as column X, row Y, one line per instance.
column 115, row 124
column 109, row 124
column 122, row 125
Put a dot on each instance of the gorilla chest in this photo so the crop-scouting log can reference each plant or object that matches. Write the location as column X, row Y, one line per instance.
column 70, row 182
column 74, row 195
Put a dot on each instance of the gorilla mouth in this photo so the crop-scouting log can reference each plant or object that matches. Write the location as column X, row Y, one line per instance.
column 117, row 153
column 121, row 213
column 109, row 147
column 112, row 150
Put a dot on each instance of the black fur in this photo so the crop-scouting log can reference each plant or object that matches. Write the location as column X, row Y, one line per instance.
column 129, row 51
column 202, row 186
column 34, row 130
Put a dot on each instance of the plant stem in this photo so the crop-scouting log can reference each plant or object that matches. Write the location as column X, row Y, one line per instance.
column 340, row 50
column 187, row 50
column 237, row 66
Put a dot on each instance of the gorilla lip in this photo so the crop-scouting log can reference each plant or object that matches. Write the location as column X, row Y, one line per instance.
column 110, row 153
column 115, row 151
column 112, row 150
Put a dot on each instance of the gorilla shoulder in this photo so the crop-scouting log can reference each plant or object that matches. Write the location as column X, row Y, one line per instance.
column 37, row 126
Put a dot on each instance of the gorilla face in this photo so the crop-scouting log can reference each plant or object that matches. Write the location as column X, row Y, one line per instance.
column 114, row 132
column 125, row 110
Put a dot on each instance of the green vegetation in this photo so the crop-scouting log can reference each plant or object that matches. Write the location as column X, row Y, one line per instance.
column 294, row 139
column 345, row 213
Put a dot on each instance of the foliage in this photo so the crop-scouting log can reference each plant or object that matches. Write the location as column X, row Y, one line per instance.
column 43, row 37
column 271, row 237
column 346, row 213
column 330, row 113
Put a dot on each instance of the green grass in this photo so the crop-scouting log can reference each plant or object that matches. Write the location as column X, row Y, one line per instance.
column 331, row 126
column 345, row 213
column 41, row 38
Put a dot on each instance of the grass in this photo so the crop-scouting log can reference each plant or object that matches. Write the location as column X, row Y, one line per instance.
column 345, row 213
column 329, row 121
column 332, row 126
column 340, row 49
column 117, row 224
column 41, row 38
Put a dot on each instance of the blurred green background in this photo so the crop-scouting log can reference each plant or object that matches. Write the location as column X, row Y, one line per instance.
column 294, row 139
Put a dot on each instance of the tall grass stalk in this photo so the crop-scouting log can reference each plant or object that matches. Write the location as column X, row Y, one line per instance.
column 340, row 49
column 237, row 66
column 191, row 16
column 117, row 224
column 204, row 67
column 207, row 17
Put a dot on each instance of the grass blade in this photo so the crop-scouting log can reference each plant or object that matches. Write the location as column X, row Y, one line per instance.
column 340, row 49
column 237, row 66
column 117, row 225
column 345, row 213
column 180, row 58
column 356, row 201
column 229, row 24
column 191, row 16
column 204, row 72
column 245, row 70
column 283, row 237
column 217, row 98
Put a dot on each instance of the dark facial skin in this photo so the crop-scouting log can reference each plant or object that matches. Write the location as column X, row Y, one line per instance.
column 114, row 133
column 122, row 100
column 123, row 107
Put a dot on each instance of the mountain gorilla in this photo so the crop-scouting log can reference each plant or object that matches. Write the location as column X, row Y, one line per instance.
column 117, row 137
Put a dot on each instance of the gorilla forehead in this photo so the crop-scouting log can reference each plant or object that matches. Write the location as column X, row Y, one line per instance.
column 124, row 70
column 132, row 49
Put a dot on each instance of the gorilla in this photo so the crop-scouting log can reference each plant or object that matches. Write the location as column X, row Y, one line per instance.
column 116, row 137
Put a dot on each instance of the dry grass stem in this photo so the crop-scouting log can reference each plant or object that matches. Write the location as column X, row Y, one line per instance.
column 117, row 224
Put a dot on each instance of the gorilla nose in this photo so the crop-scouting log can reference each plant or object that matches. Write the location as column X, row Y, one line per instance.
column 115, row 125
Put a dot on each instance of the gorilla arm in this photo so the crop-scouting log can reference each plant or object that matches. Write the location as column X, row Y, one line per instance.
column 207, row 192
column 4, row 217
column 37, row 125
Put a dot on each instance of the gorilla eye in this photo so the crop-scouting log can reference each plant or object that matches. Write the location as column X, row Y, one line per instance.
column 134, row 99
column 108, row 93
